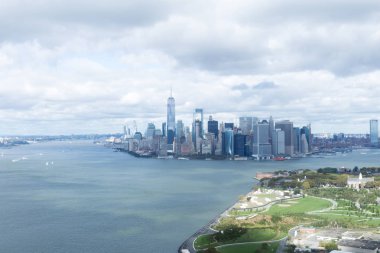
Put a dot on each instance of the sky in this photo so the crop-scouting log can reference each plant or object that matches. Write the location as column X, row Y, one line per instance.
column 70, row 67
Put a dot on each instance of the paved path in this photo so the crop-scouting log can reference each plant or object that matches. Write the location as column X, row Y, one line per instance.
column 334, row 205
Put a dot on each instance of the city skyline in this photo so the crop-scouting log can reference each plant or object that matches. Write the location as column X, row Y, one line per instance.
column 79, row 67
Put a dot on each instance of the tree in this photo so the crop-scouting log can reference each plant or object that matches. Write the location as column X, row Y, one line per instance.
column 231, row 232
column 306, row 185
column 329, row 246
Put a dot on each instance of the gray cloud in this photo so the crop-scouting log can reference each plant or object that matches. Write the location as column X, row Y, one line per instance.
column 89, row 66
column 265, row 85
column 242, row 87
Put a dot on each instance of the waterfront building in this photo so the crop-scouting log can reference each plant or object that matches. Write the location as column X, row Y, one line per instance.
column 208, row 144
column 297, row 140
column 287, row 127
column 240, row 148
column 170, row 120
column 306, row 130
column 198, row 138
column 279, row 142
column 163, row 146
column 180, row 136
column 271, row 130
column 304, row 144
column 197, row 117
column 212, row 127
column 374, row 131
column 262, row 149
column 228, row 143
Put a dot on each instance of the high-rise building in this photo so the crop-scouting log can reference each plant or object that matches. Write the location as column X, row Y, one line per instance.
column 180, row 136
column 197, row 116
column 287, row 127
column 212, row 127
column 271, row 128
column 246, row 124
column 374, row 131
column 297, row 140
column 304, row 145
column 170, row 120
column 262, row 149
column 149, row 133
column 279, row 142
column 228, row 143
column 180, row 129
column 306, row 130
column 229, row 125
column 164, row 129
column 240, row 141
column 198, row 138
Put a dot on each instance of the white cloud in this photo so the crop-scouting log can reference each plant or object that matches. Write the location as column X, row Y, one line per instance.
column 68, row 67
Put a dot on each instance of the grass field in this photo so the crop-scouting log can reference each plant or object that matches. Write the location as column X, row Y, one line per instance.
column 299, row 206
column 252, row 235
column 248, row 248
column 351, row 221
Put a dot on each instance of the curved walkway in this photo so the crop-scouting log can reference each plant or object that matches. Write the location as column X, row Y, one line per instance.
column 334, row 205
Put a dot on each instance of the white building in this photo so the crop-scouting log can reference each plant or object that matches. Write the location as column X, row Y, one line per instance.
column 358, row 183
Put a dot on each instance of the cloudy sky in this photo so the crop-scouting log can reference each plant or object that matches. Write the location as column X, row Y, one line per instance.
column 92, row 66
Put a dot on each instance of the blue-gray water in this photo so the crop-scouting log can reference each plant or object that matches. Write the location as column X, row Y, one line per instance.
column 92, row 199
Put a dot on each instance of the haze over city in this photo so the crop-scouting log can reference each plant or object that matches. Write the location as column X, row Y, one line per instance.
column 83, row 67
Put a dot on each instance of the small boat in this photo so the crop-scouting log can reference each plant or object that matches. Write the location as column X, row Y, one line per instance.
column 279, row 158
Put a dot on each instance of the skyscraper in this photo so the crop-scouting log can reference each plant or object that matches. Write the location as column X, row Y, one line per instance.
column 197, row 116
column 170, row 119
column 287, row 127
column 374, row 131
column 240, row 141
column 228, row 125
column 149, row 133
column 164, row 129
column 306, row 130
column 262, row 149
column 278, row 142
column 212, row 127
column 297, row 140
column 228, row 143
column 246, row 124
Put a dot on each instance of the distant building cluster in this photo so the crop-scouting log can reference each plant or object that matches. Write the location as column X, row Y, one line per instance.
column 251, row 138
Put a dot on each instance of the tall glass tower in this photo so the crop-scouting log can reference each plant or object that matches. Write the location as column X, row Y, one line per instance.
column 374, row 131
column 197, row 116
column 170, row 120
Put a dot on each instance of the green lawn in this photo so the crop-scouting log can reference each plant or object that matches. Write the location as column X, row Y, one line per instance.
column 248, row 248
column 303, row 205
column 204, row 241
column 252, row 235
column 351, row 221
